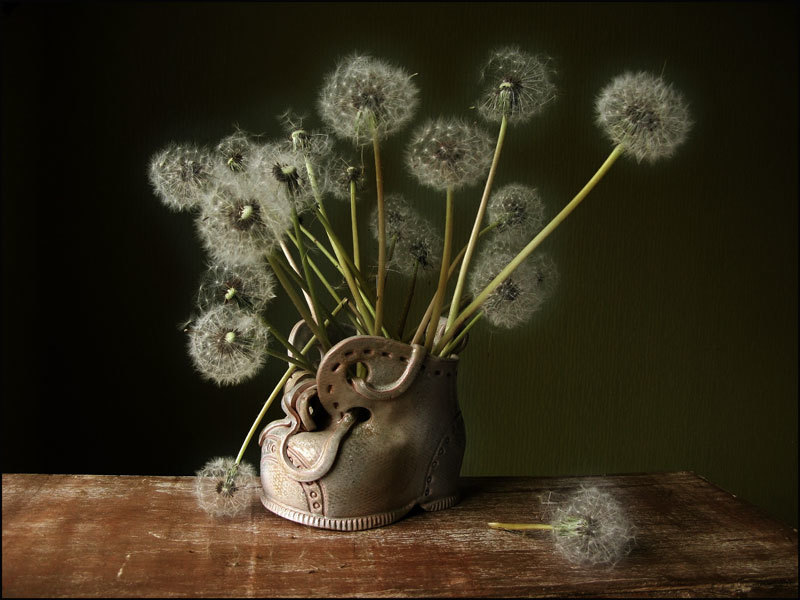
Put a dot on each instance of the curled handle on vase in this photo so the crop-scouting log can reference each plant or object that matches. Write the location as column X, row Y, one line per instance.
column 397, row 387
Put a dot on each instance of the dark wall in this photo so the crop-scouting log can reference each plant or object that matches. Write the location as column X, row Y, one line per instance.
column 671, row 343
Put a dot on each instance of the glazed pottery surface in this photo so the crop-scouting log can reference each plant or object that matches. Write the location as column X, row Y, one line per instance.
column 355, row 453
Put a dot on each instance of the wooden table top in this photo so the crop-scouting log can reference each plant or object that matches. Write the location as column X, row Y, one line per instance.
column 112, row 536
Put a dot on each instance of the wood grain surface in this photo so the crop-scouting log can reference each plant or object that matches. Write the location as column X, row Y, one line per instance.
column 108, row 536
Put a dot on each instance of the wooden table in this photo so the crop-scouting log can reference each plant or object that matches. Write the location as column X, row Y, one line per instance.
column 84, row 535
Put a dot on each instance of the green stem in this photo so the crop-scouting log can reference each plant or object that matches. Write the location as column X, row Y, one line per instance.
column 280, row 273
column 457, row 340
column 364, row 327
column 294, row 272
column 354, row 225
column 381, row 276
column 277, row 391
column 342, row 259
column 275, row 332
column 520, row 526
column 532, row 245
column 443, row 271
column 462, row 275
column 407, row 304
column 338, row 249
column 453, row 266
column 321, row 247
column 315, row 308
column 287, row 358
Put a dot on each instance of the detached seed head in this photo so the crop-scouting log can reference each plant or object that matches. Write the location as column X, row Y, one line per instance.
column 228, row 345
column 363, row 92
column 644, row 114
column 516, row 85
column 182, row 176
column 591, row 528
column 447, row 153
column 224, row 489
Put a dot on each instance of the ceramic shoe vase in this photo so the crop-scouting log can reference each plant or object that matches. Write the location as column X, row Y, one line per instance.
column 355, row 453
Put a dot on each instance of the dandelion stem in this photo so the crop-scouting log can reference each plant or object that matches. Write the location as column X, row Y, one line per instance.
column 292, row 263
column 281, row 274
column 336, row 298
column 287, row 358
column 367, row 304
column 457, row 340
column 520, row 526
column 275, row 332
column 407, row 304
column 333, row 238
column 322, row 248
column 421, row 328
column 312, row 296
column 473, row 238
column 277, row 390
column 343, row 259
column 354, row 225
column 381, row 280
column 525, row 252
column 338, row 249
column 443, row 271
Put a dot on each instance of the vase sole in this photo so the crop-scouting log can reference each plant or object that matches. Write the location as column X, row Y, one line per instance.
column 355, row 523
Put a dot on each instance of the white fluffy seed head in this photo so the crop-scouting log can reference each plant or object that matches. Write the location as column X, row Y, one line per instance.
column 234, row 153
column 417, row 244
column 523, row 293
column 516, row 85
column 239, row 226
column 592, row 528
column 363, row 90
column 341, row 173
column 223, row 358
column 224, row 489
column 448, row 152
column 644, row 114
column 182, row 176
column 303, row 140
column 281, row 176
column 248, row 287
column 519, row 211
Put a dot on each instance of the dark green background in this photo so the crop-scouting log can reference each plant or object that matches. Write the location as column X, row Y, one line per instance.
column 670, row 344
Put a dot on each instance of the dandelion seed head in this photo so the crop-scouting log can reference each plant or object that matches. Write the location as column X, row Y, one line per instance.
column 520, row 295
column 519, row 212
column 446, row 153
column 224, row 489
column 248, row 287
column 283, row 178
column 301, row 139
column 238, row 226
column 592, row 528
column 416, row 242
column 644, row 114
column 362, row 90
column 227, row 344
column 341, row 174
column 234, row 152
column 516, row 85
column 182, row 176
